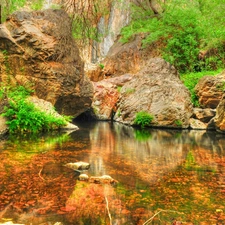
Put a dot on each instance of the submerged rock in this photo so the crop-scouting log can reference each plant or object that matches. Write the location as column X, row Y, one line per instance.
column 105, row 179
column 83, row 177
column 78, row 165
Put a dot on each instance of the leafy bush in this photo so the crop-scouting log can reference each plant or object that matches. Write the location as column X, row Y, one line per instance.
column 182, row 29
column 37, row 4
column 24, row 117
column 143, row 119
column 178, row 123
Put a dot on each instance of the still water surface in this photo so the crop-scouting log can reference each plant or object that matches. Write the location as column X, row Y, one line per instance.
column 163, row 176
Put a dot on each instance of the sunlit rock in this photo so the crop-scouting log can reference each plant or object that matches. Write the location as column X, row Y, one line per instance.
column 158, row 91
column 3, row 127
column 78, row 165
column 220, row 115
column 210, row 90
column 204, row 115
column 105, row 179
column 197, row 124
column 37, row 50
column 106, row 96
column 83, row 177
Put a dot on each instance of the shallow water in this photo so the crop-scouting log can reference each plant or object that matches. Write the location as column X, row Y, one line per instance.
column 163, row 176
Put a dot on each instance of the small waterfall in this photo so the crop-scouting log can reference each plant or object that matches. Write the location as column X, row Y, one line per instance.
column 110, row 29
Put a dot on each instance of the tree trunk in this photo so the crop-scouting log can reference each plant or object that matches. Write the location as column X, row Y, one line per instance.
column 153, row 7
column 0, row 13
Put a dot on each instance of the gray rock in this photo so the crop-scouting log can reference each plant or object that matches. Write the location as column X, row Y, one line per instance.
column 157, row 90
column 204, row 115
column 78, row 165
column 197, row 124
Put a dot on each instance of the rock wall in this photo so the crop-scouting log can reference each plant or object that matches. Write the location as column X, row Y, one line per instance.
column 37, row 49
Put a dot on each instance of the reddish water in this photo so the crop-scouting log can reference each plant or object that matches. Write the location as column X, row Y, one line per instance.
column 164, row 176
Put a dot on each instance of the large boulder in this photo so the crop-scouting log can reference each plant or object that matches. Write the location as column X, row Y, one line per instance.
column 37, row 49
column 210, row 90
column 157, row 90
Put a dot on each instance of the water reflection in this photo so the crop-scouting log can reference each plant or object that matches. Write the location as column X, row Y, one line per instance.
column 181, row 173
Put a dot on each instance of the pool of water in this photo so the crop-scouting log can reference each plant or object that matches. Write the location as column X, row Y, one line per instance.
column 161, row 177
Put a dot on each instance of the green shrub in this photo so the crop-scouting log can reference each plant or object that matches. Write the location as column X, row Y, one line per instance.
column 119, row 88
column 143, row 119
column 178, row 123
column 181, row 30
column 37, row 4
column 101, row 66
column 130, row 90
column 24, row 117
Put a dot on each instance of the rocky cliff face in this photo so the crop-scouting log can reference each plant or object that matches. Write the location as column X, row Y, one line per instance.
column 37, row 49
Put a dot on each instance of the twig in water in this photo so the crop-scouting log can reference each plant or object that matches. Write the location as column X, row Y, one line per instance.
column 107, row 207
column 39, row 174
column 150, row 220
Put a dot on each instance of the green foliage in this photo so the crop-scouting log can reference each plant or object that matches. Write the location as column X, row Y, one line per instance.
column 86, row 20
column 10, row 6
column 143, row 119
column 190, row 164
column 142, row 135
column 191, row 79
column 178, row 123
column 101, row 66
column 24, row 117
column 83, row 30
column 130, row 90
column 221, row 86
column 119, row 88
column 183, row 28
column 190, row 160
column 37, row 4
column 118, row 112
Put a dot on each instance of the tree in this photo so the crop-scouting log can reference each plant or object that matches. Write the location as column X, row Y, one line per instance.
column 184, row 28
column 86, row 15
